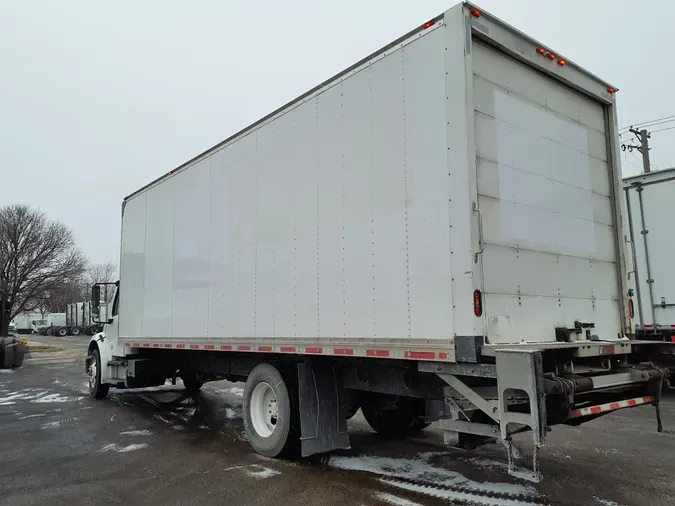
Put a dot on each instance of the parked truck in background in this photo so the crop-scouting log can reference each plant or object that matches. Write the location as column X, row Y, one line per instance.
column 433, row 234
column 79, row 321
column 652, row 243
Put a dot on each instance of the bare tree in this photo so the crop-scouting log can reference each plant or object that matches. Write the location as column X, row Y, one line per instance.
column 37, row 255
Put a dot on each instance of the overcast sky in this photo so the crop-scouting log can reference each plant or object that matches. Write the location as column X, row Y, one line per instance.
column 97, row 99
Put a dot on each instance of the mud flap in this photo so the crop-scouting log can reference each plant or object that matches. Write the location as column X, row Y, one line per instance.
column 322, row 406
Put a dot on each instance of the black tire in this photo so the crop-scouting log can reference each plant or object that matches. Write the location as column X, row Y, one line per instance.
column 394, row 419
column 76, row 331
column 192, row 382
column 62, row 332
column 353, row 402
column 97, row 389
column 19, row 354
column 284, row 437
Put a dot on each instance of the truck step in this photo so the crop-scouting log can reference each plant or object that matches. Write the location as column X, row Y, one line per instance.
column 117, row 362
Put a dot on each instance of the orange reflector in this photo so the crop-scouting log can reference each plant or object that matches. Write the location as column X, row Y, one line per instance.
column 562, row 62
column 611, row 90
column 428, row 24
column 477, row 303
column 631, row 309
column 541, row 50
column 551, row 56
column 170, row 172
column 475, row 13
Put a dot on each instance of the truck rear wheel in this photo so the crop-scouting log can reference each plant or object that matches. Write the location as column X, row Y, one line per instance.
column 269, row 417
column 97, row 389
column 393, row 418
column 76, row 331
column 62, row 332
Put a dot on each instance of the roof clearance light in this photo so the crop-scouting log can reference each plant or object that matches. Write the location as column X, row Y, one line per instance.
column 475, row 13
column 611, row 90
column 170, row 172
column 551, row 56
column 541, row 50
column 562, row 62
column 428, row 24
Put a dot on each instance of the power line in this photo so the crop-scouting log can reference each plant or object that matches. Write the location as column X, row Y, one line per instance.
column 663, row 129
column 647, row 123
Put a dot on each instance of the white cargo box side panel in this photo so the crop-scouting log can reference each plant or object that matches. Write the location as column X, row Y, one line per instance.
column 544, row 190
column 649, row 198
column 329, row 220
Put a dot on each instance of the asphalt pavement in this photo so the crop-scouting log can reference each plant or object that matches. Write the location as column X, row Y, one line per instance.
column 154, row 446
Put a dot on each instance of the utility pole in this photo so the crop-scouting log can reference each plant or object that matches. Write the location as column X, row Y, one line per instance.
column 642, row 136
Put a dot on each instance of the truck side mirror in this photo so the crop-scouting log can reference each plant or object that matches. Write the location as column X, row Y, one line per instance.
column 95, row 298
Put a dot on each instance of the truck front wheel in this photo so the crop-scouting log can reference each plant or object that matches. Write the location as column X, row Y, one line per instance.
column 97, row 389
column 269, row 417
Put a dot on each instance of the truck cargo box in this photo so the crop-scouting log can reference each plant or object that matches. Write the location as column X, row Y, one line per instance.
column 460, row 182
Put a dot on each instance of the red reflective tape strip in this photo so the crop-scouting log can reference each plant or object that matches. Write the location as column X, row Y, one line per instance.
column 146, row 345
column 343, row 351
column 264, row 348
column 194, row 346
column 180, row 346
column 427, row 355
column 244, row 348
column 604, row 408
column 127, row 344
column 156, row 345
column 168, row 345
column 136, row 345
column 672, row 339
column 377, row 353
column 314, row 350
column 210, row 347
column 649, row 326
column 226, row 347
column 287, row 349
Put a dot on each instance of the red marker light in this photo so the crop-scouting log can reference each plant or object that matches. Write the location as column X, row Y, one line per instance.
column 477, row 303
column 541, row 50
column 475, row 13
column 428, row 24
column 631, row 309
column 562, row 62
column 551, row 56
column 611, row 90
column 170, row 172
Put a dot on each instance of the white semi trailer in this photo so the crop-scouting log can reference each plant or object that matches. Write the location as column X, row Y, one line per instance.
column 649, row 198
column 433, row 234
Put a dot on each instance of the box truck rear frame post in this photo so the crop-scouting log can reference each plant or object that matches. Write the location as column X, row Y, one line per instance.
column 433, row 234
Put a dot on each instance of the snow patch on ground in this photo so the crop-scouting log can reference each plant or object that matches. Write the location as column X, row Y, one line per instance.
column 32, row 416
column 239, row 392
column 6, row 371
column 114, row 447
column 421, row 469
column 137, row 433
column 230, row 413
column 393, row 499
column 54, row 398
column 52, row 425
column 260, row 472
column 606, row 502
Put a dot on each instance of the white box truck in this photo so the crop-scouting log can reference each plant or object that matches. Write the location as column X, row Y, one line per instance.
column 433, row 234
column 651, row 272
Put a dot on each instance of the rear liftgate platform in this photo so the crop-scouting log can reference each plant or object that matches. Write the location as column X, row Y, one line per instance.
column 488, row 402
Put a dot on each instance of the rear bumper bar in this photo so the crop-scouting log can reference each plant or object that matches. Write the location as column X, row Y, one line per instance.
column 611, row 406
